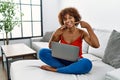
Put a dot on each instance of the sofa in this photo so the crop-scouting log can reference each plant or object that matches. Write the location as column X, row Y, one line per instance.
column 106, row 64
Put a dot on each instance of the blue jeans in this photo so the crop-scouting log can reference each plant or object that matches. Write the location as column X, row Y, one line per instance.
column 81, row 66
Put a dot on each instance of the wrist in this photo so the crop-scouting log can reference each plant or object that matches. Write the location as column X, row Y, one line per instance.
column 88, row 27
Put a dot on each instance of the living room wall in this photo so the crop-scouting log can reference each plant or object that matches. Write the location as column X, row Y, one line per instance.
column 50, row 14
column 102, row 14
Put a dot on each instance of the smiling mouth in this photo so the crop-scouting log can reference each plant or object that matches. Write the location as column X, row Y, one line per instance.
column 69, row 24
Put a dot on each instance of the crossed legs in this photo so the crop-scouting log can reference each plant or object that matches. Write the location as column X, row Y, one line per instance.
column 82, row 66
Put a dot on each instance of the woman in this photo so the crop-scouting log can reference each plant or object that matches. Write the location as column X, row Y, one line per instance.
column 68, row 33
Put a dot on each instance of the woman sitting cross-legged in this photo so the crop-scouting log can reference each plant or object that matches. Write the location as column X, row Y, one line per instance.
column 68, row 33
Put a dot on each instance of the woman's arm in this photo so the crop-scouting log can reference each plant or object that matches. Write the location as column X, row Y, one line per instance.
column 56, row 35
column 89, row 37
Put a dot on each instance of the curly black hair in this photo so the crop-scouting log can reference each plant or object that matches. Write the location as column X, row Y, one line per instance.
column 72, row 12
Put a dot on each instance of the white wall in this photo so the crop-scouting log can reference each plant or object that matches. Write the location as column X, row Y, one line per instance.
column 50, row 15
column 102, row 14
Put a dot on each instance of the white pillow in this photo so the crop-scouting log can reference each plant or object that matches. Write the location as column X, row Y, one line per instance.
column 103, row 36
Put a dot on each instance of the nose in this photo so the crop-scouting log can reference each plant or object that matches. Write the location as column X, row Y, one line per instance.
column 67, row 20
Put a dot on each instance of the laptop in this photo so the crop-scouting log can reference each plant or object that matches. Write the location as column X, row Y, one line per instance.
column 65, row 51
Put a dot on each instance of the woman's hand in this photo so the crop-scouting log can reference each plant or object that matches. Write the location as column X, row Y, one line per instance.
column 89, row 36
column 60, row 30
column 63, row 27
column 83, row 24
column 56, row 35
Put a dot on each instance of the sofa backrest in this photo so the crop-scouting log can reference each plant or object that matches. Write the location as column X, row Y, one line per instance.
column 85, row 47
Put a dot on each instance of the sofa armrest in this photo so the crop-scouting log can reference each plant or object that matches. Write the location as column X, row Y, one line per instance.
column 37, row 39
column 113, row 75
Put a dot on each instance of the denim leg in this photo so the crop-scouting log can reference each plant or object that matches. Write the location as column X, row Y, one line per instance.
column 46, row 57
column 80, row 67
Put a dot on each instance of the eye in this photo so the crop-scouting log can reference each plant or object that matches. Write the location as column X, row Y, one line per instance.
column 71, row 17
column 64, row 19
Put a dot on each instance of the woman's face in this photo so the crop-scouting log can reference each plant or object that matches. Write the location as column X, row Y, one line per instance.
column 69, row 21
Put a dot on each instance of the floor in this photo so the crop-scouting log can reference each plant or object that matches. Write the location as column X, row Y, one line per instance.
column 3, row 75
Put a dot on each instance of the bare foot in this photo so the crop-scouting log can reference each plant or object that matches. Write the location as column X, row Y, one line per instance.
column 48, row 68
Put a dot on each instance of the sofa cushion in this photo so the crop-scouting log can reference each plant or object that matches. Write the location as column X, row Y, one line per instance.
column 103, row 36
column 30, row 70
column 112, row 51
column 98, row 71
column 91, row 57
column 47, row 36
column 38, row 45
column 113, row 75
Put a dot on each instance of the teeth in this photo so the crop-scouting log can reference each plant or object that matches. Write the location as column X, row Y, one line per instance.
column 69, row 23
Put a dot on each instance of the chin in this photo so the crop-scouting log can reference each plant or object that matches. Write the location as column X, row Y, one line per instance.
column 70, row 26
